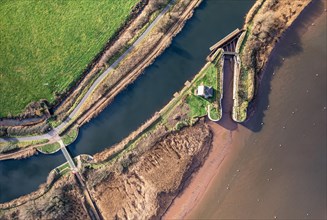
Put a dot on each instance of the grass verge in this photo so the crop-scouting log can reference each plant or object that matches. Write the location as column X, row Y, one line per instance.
column 197, row 107
column 211, row 77
column 44, row 53
column 70, row 136
column 6, row 147
column 49, row 148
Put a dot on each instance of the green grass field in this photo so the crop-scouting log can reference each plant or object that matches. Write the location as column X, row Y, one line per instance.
column 49, row 148
column 198, row 105
column 45, row 45
column 70, row 136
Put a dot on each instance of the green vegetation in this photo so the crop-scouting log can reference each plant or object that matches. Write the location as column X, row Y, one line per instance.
column 45, row 45
column 49, row 148
column 10, row 146
column 214, row 113
column 211, row 77
column 247, row 67
column 70, row 136
column 63, row 168
column 198, row 105
column 197, row 108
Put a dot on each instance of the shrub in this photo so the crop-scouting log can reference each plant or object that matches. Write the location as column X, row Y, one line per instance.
column 8, row 148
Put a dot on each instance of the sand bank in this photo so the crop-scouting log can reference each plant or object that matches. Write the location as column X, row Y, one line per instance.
column 192, row 195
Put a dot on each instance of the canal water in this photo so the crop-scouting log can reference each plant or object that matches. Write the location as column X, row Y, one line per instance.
column 180, row 62
column 277, row 164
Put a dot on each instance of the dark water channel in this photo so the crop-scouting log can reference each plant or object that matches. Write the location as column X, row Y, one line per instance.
column 180, row 62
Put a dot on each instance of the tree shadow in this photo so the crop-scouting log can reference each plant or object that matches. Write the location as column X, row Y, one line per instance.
column 181, row 52
column 289, row 45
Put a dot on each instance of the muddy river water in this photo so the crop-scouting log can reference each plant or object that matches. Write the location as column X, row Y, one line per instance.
column 277, row 165
column 180, row 62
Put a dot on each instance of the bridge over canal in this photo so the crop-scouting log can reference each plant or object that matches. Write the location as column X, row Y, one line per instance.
column 90, row 205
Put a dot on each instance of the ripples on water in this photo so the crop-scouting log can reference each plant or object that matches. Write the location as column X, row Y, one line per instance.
column 277, row 168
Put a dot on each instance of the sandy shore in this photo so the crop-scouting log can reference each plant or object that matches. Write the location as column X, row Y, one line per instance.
column 192, row 195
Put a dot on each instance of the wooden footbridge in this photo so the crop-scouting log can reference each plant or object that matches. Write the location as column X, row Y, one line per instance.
column 228, row 44
column 89, row 203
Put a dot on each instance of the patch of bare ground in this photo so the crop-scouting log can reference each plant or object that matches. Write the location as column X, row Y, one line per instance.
column 201, row 180
column 59, row 200
column 146, row 188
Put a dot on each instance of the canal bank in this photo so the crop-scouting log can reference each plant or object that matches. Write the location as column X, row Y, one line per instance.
column 276, row 167
column 139, row 101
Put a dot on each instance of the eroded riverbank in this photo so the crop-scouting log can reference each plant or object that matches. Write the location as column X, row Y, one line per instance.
column 130, row 109
column 277, row 165
column 134, row 176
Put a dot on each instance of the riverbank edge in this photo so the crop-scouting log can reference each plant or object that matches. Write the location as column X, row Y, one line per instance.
column 104, row 101
column 195, row 190
column 114, row 154
column 240, row 107
column 19, row 121
column 141, row 16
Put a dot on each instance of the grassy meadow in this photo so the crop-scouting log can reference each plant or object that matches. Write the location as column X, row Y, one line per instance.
column 45, row 45
column 198, row 105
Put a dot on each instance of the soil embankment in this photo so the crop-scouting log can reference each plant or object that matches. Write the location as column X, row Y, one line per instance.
column 144, row 188
column 21, row 154
column 147, row 188
column 200, row 181
column 64, row 200
column 264, row 24
column 192, row 196
column 131, row 67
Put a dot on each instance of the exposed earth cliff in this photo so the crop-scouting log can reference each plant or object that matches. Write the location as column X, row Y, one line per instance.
column 133, row 182
column 143, row 188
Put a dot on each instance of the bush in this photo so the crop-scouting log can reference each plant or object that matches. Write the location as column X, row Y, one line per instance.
column 181, row 124
column 8, row 148
column 40, row 128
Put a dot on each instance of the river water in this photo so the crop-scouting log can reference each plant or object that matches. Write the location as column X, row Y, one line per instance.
column 180, row 62
column 277, row 164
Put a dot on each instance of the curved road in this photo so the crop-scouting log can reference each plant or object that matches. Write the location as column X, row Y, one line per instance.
column 51, row 134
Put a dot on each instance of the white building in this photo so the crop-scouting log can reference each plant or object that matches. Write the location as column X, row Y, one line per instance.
column 204, row 91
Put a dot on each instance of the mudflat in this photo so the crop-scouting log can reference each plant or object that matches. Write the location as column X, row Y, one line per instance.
column 282, row 161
